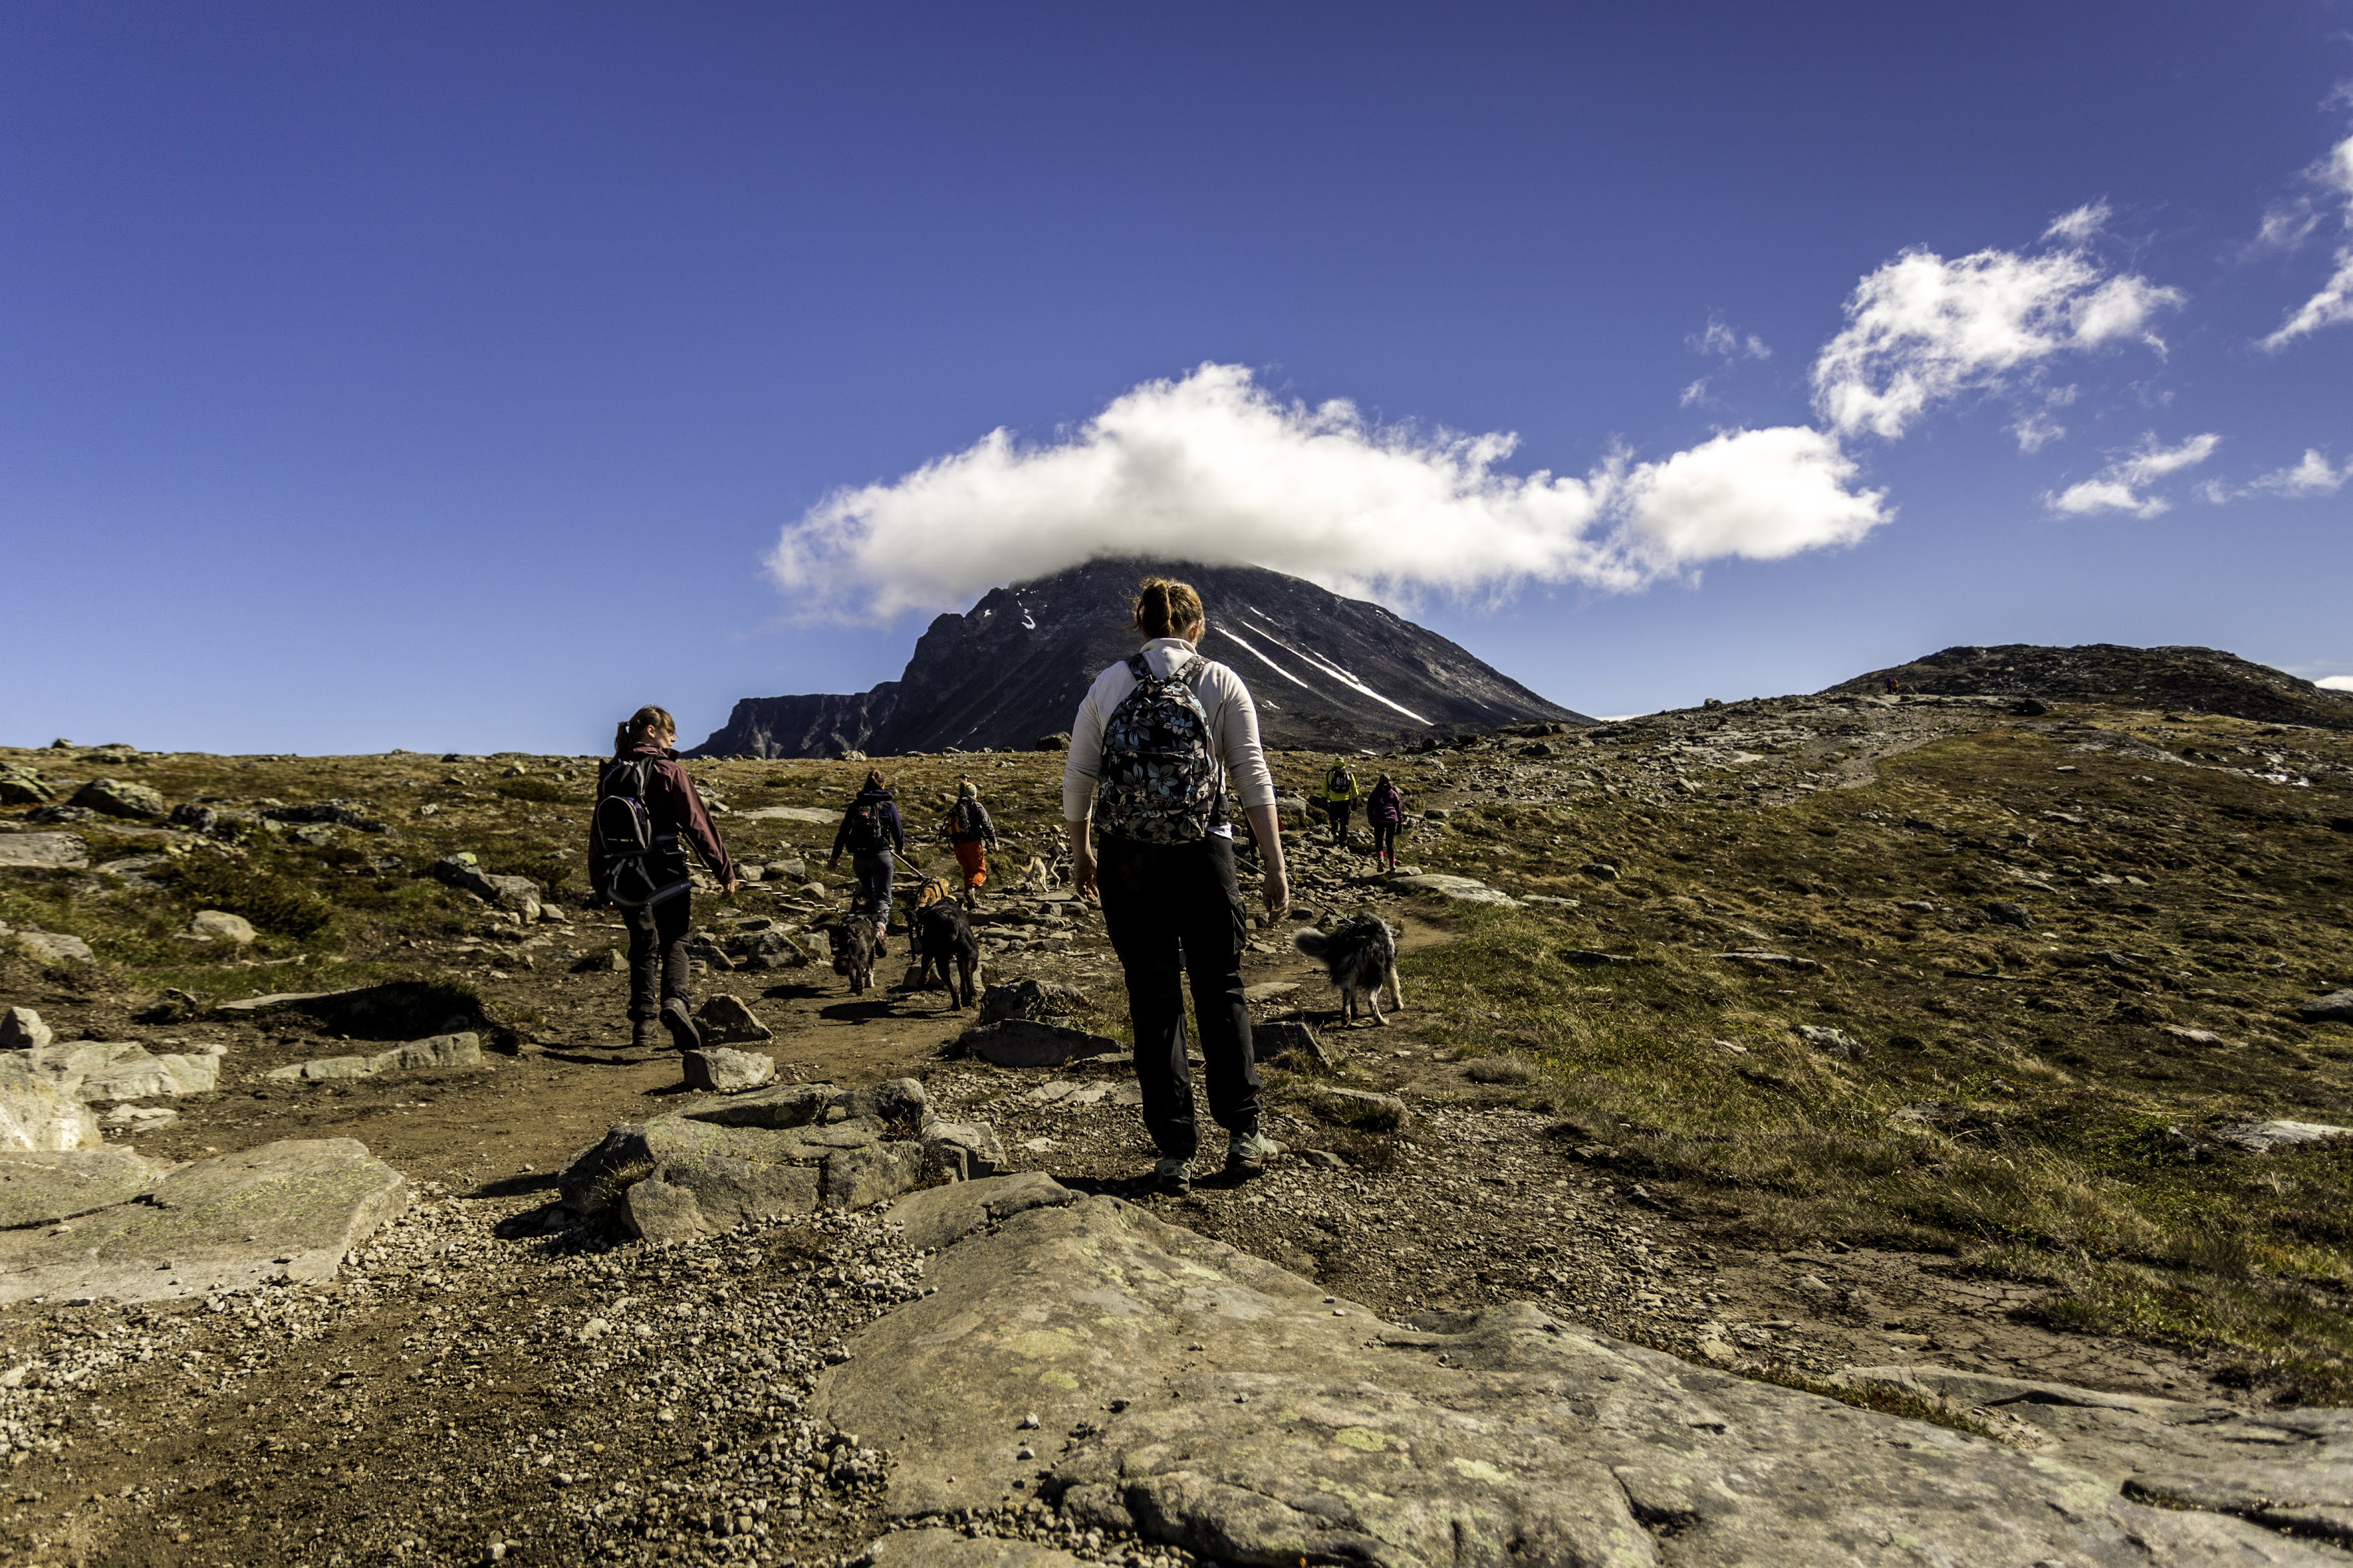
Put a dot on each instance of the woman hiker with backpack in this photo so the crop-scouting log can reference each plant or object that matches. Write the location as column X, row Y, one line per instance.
column 870, row 831
column 1162, row 744
column 972, row 835
column 1385, row 809
column 646, row 812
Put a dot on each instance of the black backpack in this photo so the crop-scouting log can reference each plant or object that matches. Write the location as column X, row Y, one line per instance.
column 865, row 833
column 623, row 827
column 1158, row 779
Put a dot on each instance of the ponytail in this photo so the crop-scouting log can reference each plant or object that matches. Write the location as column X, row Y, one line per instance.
column 642, row 726
column 1164, row 607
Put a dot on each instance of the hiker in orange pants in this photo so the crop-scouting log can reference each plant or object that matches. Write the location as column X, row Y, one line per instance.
column 973, row 835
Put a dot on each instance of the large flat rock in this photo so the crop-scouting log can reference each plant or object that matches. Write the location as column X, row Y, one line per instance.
column 459, row 1050
column 1033, row 1043
column 288, row 1210
column 119, row 1069
column 36, row 1114
column 1463, row 889
column 42, row 1188
column 817, row 814
column 1233, row 1408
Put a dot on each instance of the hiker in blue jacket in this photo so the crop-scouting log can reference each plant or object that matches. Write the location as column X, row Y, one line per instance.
column 870, row 831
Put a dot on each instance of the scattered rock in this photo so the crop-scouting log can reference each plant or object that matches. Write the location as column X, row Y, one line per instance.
column 1463, row 889
column 725, row 1020
column 520, row 894
column 464, row 1051
column 42, row 852
column 1833, row 1042
column 2336, row 1008
column 1029, row 1043
column 964, row 1151
column 2194, row 1037
column 1775, row 960
column 1593, row 958
column 2262, row 1137
column 1060, row 740
column 1294, row 1047
column 1599, row 871
column 53, row 947
column 141, row 1118
column 724, row 1071
column 1358, row 1107
column 288, row 1210
column 114, row 798
column 21, row 1029
column 221, row 925
column 2010, row 915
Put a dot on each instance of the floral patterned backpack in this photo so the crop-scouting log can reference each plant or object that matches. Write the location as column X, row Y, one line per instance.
column 1158, row 779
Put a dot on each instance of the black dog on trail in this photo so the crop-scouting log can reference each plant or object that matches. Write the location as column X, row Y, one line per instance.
column 944, row 932
column 1360, row 956
column 853, row 949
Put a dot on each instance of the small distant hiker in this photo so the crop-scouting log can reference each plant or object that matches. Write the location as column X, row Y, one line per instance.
column 972, row 835
column 1163, row 751
column 1339, row 800
column 869, row 830
column 646, row 815
column 1386, row 809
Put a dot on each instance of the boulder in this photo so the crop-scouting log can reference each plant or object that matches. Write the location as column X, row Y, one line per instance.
column 22, row 786
column 2336, row 1008
column 1294, row 1047
column 21, row 1029
column 221, row 925
column 520, row 894
column 1461, row 889
column 1313, row 1430
column 724, row 1071
column 36, row 1114
column 53, row 947
column 656, row 1211
column 42, row 852
column 785, row 1105
column 46, row 1186
column 942, row 1217
column 115, row 797
column 1830, row 1042
column 964, row 1151
column 1358, row 1107
column 861, row 1178
column 724, row 1020
column 1060, row 740
column 1029, row 1043
column 1026, row 998
column 2008, row 914
column 141, row 1118
column 282, row 1210
column 118, row 1070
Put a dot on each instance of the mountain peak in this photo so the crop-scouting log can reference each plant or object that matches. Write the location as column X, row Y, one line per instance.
column 1327, row 672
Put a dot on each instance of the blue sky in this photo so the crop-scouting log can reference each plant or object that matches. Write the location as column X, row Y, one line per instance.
column 448, row 376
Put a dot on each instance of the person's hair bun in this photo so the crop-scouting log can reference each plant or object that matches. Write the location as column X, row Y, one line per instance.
column 1164, row 607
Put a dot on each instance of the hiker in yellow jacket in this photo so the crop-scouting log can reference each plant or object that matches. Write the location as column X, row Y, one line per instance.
column 1339, row 800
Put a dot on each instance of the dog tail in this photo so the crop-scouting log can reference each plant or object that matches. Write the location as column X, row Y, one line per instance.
column 1311, row 941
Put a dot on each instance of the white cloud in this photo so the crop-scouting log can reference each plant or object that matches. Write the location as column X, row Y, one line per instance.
column 2078, row 226
column 1723, row 341
column 2312, row 477
column 1213, row 467
column 2333, row 305
column 1695, row 393
column 2119, row 485
column 1922, row 329
column 2335, row 683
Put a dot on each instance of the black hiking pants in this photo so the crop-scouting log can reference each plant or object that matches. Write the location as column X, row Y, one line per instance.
column 658, row 968
column 1172, row 911
column 1385, row 835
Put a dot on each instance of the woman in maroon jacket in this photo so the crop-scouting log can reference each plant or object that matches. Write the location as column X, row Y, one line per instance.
column 658, row 927
column 1387, row 809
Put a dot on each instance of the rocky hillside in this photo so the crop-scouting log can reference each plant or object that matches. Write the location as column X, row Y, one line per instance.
column 1327, row 672
column 2196, row 679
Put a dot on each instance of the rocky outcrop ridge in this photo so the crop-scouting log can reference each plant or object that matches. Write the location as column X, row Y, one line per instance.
column 1327, row 671
column 2201, row 679
column 1140, row 1380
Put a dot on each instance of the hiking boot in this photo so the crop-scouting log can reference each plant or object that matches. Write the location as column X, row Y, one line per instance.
column 644, row 1033
column 680, row 1025
column 1173, row 1177
column 1246, row 1154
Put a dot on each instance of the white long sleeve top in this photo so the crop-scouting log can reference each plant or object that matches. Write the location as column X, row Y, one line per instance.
column 1233, row 729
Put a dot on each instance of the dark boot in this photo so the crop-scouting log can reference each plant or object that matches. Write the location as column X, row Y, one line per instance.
column 644, row 1033
column 680, row 1025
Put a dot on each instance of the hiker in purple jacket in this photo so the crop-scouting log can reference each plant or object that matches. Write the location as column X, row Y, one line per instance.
column 1386, row 807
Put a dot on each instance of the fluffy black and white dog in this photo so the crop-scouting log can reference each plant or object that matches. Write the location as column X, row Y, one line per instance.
column 1360, row 956
column 853, row 949
column 942, row 934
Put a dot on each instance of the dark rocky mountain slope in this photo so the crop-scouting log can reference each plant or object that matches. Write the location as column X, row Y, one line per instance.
column 1327, row 671
column 2201, row 679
